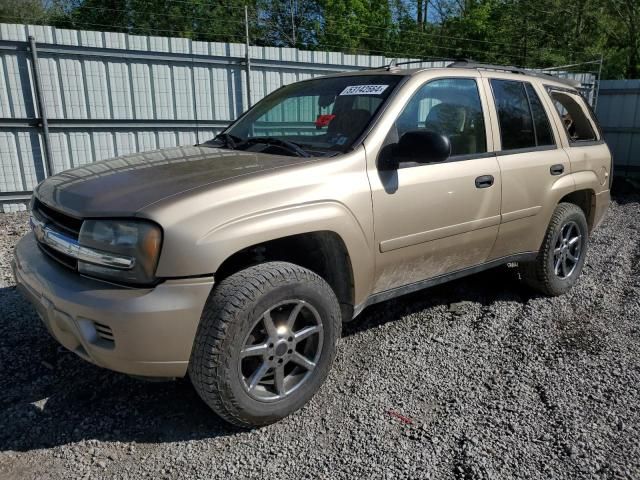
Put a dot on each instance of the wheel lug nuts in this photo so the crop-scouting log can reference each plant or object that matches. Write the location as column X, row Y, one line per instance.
column 290, row 339
column 271, row 357
column 290, row 351
column 280, row 361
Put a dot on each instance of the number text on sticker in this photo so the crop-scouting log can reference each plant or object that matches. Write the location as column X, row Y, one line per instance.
column 364, row 90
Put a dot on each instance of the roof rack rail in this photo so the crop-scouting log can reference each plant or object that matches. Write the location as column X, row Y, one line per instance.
column 424, row 60
column 394, row 63
column 512, row 69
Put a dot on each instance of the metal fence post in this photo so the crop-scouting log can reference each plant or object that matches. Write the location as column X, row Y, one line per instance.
column 43, row 122
column 597, row 92
column 248, row 59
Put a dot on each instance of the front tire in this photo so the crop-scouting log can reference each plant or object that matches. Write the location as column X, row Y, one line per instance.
column 265, row 343
column 561, row 257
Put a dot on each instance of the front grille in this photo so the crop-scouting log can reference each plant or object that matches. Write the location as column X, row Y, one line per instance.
column 59, row 257
column 61, row 222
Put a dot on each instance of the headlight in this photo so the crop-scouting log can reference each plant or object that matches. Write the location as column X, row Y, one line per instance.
column 137, row 240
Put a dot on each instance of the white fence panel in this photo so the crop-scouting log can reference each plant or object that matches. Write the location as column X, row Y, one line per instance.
column 108, row 94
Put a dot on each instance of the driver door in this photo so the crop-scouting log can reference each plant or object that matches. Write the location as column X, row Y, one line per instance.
column 432, row 219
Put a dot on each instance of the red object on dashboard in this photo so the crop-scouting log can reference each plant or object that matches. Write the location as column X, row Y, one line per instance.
column 324, row 120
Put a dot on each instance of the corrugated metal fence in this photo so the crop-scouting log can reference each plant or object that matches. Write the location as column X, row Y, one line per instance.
column 107, row 94
column 619, row 115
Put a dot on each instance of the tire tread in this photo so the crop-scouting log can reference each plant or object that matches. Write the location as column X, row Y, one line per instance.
column 207, row 370
column 536, row 274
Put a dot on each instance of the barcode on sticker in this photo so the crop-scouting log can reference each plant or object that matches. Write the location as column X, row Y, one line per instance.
column 364, row 90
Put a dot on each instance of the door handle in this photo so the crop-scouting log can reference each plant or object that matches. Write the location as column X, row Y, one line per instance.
column 556, row 169
column 484, row 181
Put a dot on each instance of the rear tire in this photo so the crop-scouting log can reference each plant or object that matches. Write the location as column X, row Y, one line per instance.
column 561, row 257
column 265, row 343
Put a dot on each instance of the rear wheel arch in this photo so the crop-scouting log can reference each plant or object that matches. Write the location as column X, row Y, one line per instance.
column 542, row 273
column 585, row 199
column 323, row 252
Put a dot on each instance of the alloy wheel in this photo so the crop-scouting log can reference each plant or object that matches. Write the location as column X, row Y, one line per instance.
column 567, row 251
column 281, row 351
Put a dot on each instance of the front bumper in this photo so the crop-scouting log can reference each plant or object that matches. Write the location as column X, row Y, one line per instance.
column 146, row 332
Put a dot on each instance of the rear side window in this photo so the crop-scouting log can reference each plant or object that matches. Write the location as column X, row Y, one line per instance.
column 521, row 116
column 574, row 117
column 540, row 119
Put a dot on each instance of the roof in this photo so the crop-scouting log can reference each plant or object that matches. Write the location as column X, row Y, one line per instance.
column 516, row 70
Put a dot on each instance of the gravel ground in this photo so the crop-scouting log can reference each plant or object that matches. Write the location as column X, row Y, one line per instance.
column 475, row 379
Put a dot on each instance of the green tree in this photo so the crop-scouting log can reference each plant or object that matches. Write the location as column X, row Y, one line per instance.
column 622, row 26
column 355, row 25
column 23, row 11
column 195, row 19
column 534, row 33
column 289, row 23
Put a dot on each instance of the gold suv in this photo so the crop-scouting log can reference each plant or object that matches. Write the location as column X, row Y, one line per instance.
column 237, row 261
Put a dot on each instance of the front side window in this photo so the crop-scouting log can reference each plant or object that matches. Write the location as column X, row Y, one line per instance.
column 321, row 116
column 573, row 116
column 450, row 107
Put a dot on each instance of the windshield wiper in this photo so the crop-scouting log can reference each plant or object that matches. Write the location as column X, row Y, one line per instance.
column 228, row 141
column 293, row 147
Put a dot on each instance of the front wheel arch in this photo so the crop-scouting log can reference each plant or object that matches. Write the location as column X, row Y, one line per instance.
column 323, row 252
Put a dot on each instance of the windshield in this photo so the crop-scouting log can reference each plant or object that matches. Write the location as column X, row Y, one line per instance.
column 311, row 118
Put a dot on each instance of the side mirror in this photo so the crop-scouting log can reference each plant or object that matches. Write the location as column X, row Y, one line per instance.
column 422, row 146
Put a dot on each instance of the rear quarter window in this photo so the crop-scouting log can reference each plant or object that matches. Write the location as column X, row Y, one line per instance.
column 575, row 115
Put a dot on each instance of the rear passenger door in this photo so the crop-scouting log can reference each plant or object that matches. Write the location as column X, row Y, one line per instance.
column 531, row 163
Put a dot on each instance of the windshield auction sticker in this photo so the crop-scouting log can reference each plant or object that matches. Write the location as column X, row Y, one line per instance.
column 364, row 90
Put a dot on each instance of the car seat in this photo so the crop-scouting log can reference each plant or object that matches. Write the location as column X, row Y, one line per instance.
column 452, row 121
column 348, row 122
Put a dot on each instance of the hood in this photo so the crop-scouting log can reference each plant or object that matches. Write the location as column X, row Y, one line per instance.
column 124, row 185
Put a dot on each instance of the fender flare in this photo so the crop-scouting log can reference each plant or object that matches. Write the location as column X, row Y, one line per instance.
column 226, row 239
